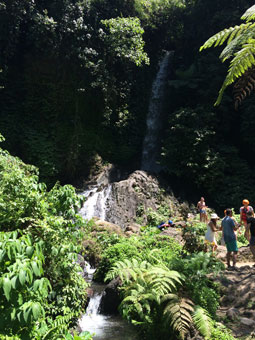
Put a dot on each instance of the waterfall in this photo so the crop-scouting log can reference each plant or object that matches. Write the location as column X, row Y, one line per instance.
column 104, row 327
column 96, row 202
column 150, row 144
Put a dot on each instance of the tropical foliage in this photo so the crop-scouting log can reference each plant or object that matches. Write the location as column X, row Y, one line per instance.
column 42, row 292
column 241, row 49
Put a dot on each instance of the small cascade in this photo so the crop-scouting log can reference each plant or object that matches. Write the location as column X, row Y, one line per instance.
column 96, row 203
column 89, row 272
column 104, row 327
column 150, row 144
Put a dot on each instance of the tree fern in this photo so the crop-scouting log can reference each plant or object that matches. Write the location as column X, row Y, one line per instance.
column 240, row 47
column 244, row 86
column 243, row 60
column 202, row 321
column 228, row 33
column 178, row 312
column 249, row 15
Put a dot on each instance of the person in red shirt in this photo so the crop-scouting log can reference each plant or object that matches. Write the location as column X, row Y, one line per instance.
column 243, row 216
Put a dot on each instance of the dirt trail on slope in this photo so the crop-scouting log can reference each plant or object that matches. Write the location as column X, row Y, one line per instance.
column 237, row 305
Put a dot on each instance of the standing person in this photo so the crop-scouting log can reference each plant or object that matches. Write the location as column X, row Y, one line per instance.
column 210, row 233
column 228, row 227
column 243, row 216
column 251, row 232
column 201, row 206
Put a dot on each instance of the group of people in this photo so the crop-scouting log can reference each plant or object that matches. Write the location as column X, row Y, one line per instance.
column 229, row 228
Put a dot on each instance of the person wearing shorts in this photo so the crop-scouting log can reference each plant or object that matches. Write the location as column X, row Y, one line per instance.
column 201, row 206
column 251, row 230
column 228, row 227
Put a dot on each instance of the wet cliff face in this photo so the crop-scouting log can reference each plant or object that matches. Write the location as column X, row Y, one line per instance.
column 129, row 196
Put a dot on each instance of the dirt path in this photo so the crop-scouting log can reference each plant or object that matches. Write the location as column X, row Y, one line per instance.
column 237, row 304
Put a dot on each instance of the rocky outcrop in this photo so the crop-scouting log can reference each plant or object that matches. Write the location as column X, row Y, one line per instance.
column 139, row 191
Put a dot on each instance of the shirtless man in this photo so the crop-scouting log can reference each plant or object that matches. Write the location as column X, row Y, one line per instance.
column 201, row 206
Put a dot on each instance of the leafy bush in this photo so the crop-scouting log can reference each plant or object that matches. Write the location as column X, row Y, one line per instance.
column 42, row 290
column 193, row 236
column 119, row 248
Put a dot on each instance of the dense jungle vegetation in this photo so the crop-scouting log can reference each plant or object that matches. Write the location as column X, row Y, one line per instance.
column 165, row 291
column 76, row 80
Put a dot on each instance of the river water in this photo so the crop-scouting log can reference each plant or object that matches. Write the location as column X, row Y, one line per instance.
column 104, row 327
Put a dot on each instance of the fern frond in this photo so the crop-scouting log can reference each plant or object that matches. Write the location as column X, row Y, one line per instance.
column 127, row 270
column 164, row 280
column 202, row 321
column 244, row 87
column 178, row 311
column 249, row 15
column 243, row 60
column 228, row 33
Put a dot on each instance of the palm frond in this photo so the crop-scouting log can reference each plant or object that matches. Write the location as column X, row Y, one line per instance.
column 228, row 33
column 249, row 15
column 202, row 321
column 178, row 312
column 243, row 60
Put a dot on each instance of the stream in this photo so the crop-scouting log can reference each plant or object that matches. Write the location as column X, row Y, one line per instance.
column 113, row 327
column 105, row 327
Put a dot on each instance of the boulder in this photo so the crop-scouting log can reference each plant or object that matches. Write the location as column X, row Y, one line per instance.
column 107, row 226
column 129, row 233
column 131, row 197
column 111, row 298
column 180, row 224
column 174, row 233
column 247, row 322
column 80, row 260
column 233, row 314
column 134, row 228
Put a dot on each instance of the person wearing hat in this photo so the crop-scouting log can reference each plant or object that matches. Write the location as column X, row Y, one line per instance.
column 211, row 230
column 243, row 216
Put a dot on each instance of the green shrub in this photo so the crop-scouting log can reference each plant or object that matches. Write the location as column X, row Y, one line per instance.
column 42, row 291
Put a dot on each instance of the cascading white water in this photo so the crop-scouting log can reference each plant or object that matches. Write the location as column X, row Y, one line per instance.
column 150, row 144
column 96, row 203
column 104, row 327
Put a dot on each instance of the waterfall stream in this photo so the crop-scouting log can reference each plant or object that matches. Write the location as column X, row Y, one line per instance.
column 104, row 327
column 107, row 327
column 96, row 202
column 150, row 144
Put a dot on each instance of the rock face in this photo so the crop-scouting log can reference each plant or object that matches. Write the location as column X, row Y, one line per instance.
column 138, row 191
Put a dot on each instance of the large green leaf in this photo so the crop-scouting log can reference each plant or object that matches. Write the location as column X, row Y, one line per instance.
column 7, row 286
column 36, row 269
column 36, row 310
column 14, row 281
column 29, row 251
column 22, row 276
